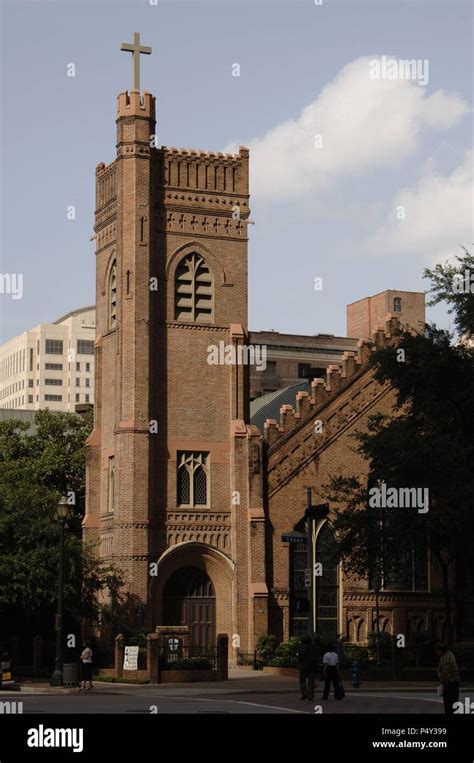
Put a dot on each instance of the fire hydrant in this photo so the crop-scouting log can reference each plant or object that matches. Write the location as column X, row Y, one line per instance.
column 355, row 670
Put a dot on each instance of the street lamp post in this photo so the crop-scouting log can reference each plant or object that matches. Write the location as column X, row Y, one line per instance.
column 313, row 514
column 57, row 677
column 309, row 541
column 377, row 585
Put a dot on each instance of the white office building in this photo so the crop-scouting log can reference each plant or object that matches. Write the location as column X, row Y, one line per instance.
column 51, row 366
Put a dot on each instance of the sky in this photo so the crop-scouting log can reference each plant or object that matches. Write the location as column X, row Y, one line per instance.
column 356, row 179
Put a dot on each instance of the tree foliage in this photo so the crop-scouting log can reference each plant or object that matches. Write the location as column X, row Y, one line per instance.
column 427, row 442
column 444, row 287
column 37, row 466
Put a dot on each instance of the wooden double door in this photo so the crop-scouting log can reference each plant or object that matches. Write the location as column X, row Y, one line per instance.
column 190, row 599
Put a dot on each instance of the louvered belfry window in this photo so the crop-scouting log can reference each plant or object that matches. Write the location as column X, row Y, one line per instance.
column 113, row 295
column 194, row 293
column 193, row 479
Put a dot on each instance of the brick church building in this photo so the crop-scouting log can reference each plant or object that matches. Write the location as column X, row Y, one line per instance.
column 185, row 495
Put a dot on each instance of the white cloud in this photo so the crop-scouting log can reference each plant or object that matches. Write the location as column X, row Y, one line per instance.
column 438, row 216
column 364, row 123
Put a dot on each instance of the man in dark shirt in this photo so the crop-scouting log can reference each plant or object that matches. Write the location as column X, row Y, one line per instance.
column 448, row 675
column 308, row 660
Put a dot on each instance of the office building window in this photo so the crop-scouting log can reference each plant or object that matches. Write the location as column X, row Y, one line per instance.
column 85, row 346
column 307, row 371
column 54, row 347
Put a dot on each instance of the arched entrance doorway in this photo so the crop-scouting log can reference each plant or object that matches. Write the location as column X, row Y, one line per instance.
column 189, row 599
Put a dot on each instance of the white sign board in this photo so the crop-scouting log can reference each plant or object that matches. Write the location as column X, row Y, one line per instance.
column 130, row 660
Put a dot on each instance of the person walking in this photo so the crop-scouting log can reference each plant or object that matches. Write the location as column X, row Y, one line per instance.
column 308, row 659
column 332, row 675
column 448, row 675
column 86, row 667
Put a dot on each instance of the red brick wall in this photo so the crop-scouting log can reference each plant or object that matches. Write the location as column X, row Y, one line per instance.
column 367, row 315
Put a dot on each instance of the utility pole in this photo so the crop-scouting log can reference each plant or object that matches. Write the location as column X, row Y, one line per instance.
column 57, row 677
column 309, row 542
column 313, row 514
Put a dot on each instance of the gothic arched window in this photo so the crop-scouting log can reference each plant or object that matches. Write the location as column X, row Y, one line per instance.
column 112, row 296
column 111, row 485
column 325, row 583
column 193, row 291
column 193, row 479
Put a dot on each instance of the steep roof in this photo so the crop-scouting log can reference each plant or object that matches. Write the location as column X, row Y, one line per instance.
column 268, row 406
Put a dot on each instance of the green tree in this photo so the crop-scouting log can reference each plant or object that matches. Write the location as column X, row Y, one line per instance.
column 427, row 443
column 430, row 444
column 447, row 282
column 37, row 466
column 373, row 543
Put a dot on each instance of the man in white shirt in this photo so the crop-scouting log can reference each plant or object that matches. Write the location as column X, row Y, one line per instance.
column 331, row 672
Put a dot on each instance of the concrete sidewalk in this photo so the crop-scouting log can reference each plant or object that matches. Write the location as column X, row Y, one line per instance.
column 239, row 682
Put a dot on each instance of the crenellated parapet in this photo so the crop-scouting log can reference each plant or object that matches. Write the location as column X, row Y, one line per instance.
column 325, row 391
column 207, row 171
column 203, row 193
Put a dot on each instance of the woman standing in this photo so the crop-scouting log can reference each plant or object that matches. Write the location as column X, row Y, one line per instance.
column 86, row 666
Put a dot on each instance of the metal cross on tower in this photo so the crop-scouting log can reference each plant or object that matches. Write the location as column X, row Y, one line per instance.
column 135, row 49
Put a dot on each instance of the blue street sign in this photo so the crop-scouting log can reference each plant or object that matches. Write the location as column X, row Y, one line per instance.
column 293, row 538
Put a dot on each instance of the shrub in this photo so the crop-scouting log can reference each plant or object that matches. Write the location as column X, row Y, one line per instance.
column 285, row 654
column 354, row 652
column 385, row 646
column 283, row 662
column 288, row 648
column 189, row 663
column 265, row 647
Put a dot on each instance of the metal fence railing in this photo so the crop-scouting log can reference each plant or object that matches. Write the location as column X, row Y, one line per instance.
column 249, row 659
column 187, row 657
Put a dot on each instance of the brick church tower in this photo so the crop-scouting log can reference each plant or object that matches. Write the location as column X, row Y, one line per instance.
column 174, row 471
